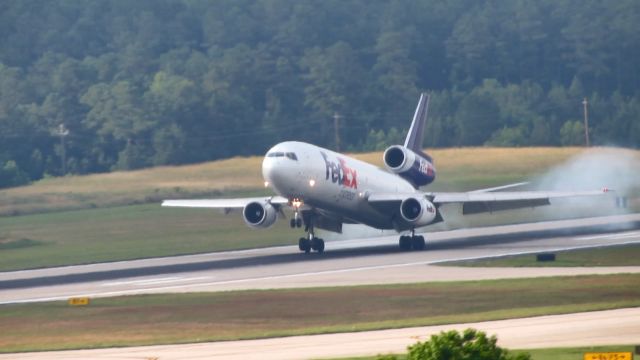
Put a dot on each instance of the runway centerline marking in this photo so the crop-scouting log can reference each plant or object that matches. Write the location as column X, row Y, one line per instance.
column 155, row 281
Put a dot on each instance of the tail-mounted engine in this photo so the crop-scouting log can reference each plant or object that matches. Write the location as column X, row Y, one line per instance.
column 416, row 168
column 418, row 212
column 259, row 215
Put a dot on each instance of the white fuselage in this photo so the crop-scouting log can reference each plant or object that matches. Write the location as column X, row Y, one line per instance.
column 326, row 180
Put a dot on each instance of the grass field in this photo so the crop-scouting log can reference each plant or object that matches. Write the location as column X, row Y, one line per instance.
column 129, row 232
column 576, row 353
column 627, row 255
column 196, row 317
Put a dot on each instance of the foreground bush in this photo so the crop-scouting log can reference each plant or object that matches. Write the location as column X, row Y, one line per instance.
column 452, row 345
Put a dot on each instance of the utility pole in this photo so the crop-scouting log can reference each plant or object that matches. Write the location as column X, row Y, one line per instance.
column 585, row 104
column 63, row 132
column 336, row 129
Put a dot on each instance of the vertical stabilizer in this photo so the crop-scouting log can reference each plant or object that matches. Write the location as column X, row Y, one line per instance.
column 416, row 131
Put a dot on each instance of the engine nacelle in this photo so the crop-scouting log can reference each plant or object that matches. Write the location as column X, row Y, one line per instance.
column 418, row 212
column 259, row 215
column 415, row 168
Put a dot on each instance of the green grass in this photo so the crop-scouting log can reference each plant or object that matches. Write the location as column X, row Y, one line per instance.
column 627, row 255
column 574, row 353
column 129, row 232
column 195, row 317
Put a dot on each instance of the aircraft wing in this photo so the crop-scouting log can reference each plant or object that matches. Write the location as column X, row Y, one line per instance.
column 226, row 204
column 478, row 202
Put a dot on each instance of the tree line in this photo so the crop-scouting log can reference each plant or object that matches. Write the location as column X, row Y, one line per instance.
column 154, row 82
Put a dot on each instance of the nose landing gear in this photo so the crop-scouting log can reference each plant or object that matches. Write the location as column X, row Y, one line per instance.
column 296, row 222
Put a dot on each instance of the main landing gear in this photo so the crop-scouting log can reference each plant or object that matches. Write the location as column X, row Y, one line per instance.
column 412, row 242
column 311, row 242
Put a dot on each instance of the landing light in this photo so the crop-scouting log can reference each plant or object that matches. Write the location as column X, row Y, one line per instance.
column 296, row 203
column 266, row 184
column 312, row 183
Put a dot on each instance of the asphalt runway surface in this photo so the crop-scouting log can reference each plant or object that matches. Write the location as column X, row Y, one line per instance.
column 352, row 262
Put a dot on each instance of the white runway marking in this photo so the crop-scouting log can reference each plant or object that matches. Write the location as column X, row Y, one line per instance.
column 166, row 280
column 612, row 236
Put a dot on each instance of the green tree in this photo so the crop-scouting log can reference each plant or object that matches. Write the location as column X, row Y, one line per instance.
column 117, row 115
column 11, row 175
column 380, row 140
column 147, row 82
column 572, row 133
column 452, row 345
column 507, row 137
column 334, row 81
column 477, row 117
column 396, row 72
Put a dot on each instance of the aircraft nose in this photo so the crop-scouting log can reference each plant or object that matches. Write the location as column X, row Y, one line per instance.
column 273, row 170
column 268, row 165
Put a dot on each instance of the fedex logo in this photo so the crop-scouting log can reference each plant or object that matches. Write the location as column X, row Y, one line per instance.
column 425, row 167
column 340, row 173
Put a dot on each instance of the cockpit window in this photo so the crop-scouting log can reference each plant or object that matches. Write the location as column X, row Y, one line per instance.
column 289, row 155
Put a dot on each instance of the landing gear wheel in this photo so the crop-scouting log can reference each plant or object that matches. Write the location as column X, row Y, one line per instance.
column 317, row 244
column 417, row 243
column 304, row 245
column 299, row 222
column 292, row 223
column 405, row 243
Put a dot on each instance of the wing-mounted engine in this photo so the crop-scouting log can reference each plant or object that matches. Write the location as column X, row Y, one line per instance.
column 259, row 214
column 418, row 211
column 416, row 168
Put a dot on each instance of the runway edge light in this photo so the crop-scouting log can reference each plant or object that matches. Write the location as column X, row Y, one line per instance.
column 78, row 301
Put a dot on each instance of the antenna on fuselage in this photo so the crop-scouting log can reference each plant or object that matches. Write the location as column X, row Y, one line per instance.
column 416, row 131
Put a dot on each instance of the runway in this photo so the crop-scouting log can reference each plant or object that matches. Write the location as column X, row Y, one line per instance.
column 353, row 262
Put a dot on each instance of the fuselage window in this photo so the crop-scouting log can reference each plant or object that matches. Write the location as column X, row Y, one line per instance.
column 292, row 156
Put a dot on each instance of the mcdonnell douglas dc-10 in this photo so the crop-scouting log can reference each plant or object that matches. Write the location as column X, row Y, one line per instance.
column 325, row 190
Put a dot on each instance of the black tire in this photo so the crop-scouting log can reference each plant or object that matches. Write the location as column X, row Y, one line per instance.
column 417, row 243
column 304, row 245
column 299, row 222
column 292, row 223
column 405, row 243
column 318, row 245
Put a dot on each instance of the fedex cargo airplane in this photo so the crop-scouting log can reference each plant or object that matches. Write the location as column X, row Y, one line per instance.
column 325, row 190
